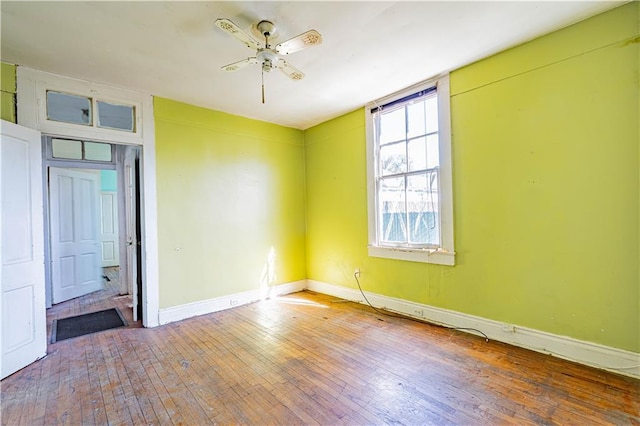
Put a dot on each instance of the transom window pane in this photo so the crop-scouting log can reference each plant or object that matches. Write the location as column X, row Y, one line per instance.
column 80, row 150
column 69, row 108
column 62, row 148
column 113, row 116
column 97, row 151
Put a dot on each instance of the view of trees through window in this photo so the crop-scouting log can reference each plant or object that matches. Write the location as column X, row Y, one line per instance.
column 407, row 175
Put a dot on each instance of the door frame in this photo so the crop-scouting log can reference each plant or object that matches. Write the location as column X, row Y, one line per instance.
column 32, row 87
column 47, row 162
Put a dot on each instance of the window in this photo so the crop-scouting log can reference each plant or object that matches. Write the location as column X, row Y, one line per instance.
column 117, row 117
column 409, row 171
column 74, row 109
column 80, row 150
column 69, row 108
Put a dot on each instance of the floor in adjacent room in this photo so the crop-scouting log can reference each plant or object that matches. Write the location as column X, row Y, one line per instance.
column 109, row 297
column 313, row 359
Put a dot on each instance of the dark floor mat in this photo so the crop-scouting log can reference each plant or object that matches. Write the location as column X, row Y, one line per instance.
column 66, row 328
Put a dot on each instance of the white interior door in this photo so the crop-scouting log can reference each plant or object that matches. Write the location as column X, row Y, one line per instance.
column 76, row 262
column 109, row 228
column 24, row 326
column 132, row 239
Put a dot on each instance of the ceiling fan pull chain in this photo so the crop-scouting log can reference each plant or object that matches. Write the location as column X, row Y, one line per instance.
column 262, row 85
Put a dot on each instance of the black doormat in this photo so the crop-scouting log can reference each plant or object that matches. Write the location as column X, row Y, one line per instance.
column 67, row 328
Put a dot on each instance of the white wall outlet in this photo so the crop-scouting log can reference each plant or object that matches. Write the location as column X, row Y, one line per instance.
column 508, row 328
column 356, row 272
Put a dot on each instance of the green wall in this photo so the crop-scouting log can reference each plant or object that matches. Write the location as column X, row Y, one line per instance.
column 230, row 203
column 546, row 190
column 8, row 92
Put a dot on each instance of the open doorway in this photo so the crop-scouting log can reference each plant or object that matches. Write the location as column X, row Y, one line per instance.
column 92, row 228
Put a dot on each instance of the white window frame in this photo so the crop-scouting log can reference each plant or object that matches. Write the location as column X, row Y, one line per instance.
column 33, row 86
column 445, row 253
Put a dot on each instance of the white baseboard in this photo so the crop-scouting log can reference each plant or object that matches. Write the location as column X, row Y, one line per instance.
column 599, row 356
column 188, row 310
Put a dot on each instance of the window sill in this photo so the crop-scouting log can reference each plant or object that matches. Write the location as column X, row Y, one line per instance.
column 439, row 257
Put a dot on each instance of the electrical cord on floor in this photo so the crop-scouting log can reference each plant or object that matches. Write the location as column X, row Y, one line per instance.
column 389, row 314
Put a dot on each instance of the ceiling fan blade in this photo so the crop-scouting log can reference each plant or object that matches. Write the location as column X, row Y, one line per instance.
column 240, row 64
column 229, row 27
column 302, row 41
column 292, row 72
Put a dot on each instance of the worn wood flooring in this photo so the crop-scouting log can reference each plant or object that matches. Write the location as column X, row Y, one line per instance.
column 308, row 358
column 107, row 298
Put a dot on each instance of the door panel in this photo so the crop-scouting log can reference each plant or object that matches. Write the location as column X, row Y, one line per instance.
column 109, row 228
column 22, row 245
column 75, row 233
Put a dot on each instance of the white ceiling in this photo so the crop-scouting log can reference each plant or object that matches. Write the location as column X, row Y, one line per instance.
column 369, row 50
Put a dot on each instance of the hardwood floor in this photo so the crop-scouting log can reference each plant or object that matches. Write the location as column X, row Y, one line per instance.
column 308, row 358
column 108, row 298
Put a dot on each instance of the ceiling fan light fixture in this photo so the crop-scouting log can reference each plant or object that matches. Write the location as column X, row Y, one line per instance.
column 265, row 55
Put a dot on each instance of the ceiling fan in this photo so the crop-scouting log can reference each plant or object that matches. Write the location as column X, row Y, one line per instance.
column 267, row 56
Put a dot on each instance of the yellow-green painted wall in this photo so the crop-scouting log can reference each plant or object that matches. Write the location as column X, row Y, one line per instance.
column 546, row 188
column 8, row 92
column 230, row 203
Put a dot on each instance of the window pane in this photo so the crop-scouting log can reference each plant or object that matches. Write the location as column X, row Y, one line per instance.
column 417, row 123
column 433, row 151
column 97, row 151
column 393, row 159
column 111, row 116
column 392, row 126
column 62, row 148
column 431, row 108
column 392, row 210
column 422, row 206
column 68, row 108
column 417, row 149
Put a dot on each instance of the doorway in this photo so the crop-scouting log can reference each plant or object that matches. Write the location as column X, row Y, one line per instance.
column 92, row 228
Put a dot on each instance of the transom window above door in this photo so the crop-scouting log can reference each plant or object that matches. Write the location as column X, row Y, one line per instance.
column 87, row 111
column 68, row 149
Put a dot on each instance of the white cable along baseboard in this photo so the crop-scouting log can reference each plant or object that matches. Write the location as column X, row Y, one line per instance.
column 599, row 356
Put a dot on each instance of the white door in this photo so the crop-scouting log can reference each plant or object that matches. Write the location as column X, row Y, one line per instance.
column 109, row 228
column 76, row 262
column 24, row 325
column 131, row 215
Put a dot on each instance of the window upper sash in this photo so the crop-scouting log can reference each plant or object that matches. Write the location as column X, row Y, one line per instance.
column 411, row 97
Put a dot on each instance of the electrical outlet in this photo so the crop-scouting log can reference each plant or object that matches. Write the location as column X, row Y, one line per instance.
column 508, row 328
column 233, row 302
column 356, row 272
column 418, row 313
